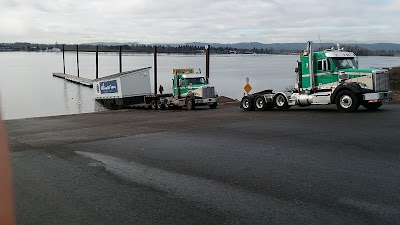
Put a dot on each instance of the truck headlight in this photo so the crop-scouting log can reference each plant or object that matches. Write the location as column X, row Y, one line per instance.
column 363, row 86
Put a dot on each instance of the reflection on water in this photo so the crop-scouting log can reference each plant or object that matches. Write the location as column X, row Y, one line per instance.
column 98, row 107
column 66, row 98
column 28, row 88
column 79, row 101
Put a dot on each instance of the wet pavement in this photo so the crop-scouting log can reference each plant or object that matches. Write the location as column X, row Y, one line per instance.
column 303, row 166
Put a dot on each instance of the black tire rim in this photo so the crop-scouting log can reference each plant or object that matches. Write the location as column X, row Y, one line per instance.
column 246, row 104
column 260, row 103
column 280, row 101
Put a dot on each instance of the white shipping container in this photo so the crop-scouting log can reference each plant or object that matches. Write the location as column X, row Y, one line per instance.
column 126, row 84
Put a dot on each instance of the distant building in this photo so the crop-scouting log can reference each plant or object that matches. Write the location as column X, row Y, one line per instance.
column 5, row 48
column 53, row 50
column 249, row 52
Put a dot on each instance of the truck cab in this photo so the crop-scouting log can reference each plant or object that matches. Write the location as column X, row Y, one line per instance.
column 334, row 71
column 331, row 76
column 191, row 89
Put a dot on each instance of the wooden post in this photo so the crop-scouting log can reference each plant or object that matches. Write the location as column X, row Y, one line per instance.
column 207, row 63
column 155, row 70
column 63, row 49
column 120, row 59
column 77, row 58
column 97, row 62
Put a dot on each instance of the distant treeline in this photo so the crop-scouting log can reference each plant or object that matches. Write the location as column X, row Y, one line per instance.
column 360, row 51
column 179, row 49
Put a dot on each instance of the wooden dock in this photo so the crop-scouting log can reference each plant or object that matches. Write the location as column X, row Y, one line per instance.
column 75, row 79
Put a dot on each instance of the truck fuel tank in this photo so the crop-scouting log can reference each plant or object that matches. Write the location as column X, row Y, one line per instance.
column 304, row 99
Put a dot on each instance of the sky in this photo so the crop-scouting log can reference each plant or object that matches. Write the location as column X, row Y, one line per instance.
column 210, row 21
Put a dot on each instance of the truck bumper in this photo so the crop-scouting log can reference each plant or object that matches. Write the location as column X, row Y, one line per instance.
column 387, row 95
column 205, row 101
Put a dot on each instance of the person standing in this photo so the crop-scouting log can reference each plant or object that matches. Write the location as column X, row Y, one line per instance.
column 161, row 89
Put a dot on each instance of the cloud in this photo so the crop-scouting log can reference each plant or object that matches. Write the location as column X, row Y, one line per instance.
column 173, row 21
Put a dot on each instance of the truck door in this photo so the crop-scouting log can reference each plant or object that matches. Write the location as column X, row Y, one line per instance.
column 299, row 74
column 175, row 86
column 324, row 73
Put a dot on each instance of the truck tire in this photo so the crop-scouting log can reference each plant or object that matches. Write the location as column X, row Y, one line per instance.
column 346, row 101
column 262, row 105
column 166, row 104
column 281, row 102
column 372, row 105
column 190, row 104
column 160, row 105
column 153, row 104
column 213, row 106
column 247, row 103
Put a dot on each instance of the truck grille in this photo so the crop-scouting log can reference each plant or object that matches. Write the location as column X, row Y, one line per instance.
column 208, row 92
column 381, row 81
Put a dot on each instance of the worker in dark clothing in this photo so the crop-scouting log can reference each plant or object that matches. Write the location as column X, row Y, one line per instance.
column 161, row 89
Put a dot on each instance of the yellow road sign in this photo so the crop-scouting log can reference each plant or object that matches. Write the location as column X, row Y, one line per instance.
column 183, row 71
column 247, row 88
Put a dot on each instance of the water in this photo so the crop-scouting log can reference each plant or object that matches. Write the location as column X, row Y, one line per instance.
column 28, row 89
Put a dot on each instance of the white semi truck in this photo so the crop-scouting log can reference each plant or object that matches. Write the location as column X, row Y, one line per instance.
column 330, row 76
column 132, row 89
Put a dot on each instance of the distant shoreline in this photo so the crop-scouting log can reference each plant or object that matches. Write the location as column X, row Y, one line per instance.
column 377, row 49
column 188, row 54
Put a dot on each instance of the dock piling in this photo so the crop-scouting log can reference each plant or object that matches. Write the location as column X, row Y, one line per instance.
column 120, row 59
column 63, row 50
column 97, row 62
column 155, row 70
column 207, row 62
column 77, row 58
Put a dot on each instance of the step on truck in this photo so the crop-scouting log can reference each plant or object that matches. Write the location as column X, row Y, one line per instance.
column 133, row 89
column 331, row 76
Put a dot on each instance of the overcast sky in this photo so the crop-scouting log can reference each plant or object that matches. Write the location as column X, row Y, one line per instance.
column 178, row 21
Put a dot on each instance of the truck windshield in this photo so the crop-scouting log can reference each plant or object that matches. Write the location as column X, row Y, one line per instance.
column 345, row 63
column 196, row 80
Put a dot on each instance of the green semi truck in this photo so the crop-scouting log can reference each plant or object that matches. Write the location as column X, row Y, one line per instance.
column 190, row 89
column 331, row 76
column 132, row 89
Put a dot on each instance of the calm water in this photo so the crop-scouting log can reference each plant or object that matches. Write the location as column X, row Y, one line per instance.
column 28, row 89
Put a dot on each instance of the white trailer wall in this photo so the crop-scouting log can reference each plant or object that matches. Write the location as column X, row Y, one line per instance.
column 126, row 84
column 136, row 83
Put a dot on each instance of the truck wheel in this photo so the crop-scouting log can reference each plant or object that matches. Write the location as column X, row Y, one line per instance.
column 262, row 105
column 346, row 101
column 281, row 102
column 247, row 103
column 213, row 106
column 166, row 104
column 153, row 104
column 372, row 105
column 160, row 105
column 190, row 104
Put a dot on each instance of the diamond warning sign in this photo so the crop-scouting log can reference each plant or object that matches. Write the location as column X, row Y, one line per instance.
column 247, row 88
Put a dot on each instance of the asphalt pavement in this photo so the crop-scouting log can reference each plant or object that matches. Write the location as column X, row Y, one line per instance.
column 310, row 165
